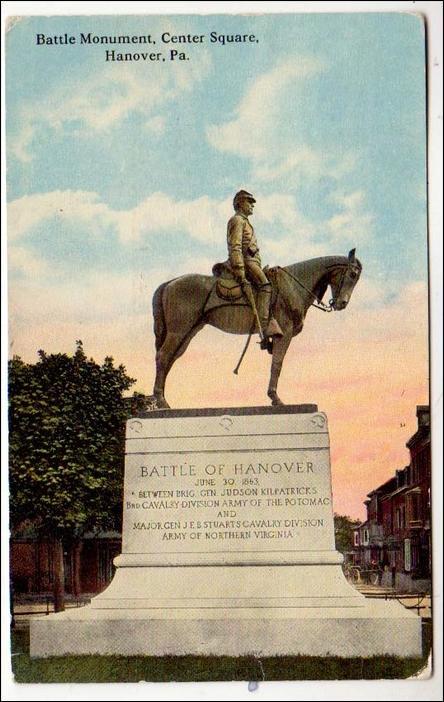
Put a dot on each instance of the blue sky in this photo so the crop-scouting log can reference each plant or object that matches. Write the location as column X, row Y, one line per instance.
column 351, row 119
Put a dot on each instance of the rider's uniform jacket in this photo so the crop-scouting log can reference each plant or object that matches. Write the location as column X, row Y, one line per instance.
column 242, row 244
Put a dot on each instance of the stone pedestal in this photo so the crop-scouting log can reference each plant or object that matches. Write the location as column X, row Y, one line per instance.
column 228, row 548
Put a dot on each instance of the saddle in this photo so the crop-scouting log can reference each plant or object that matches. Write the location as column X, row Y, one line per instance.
column 228, row 290
column 227, row 287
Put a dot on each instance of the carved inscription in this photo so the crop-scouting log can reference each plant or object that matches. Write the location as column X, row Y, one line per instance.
column 274, row 502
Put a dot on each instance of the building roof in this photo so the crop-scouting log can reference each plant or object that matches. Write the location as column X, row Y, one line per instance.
column 398, row 491
column 387, row 486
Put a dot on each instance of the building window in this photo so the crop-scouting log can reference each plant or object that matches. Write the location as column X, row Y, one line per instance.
column 400, row 517
column 356, row 538
column 416, row 556
column 415, row 507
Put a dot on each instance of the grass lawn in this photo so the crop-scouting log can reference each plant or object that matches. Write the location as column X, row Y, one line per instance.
column 206, row 668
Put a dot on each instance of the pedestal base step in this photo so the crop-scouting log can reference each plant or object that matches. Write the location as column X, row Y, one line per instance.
column 376, row 629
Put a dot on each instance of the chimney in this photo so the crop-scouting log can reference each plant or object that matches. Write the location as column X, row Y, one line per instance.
column 423, row 415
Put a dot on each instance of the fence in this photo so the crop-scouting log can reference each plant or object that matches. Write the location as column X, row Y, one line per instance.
column 43, row 605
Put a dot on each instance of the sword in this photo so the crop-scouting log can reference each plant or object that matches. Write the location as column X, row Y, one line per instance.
column 246, row 287
column 236, row 370
column 248, row 292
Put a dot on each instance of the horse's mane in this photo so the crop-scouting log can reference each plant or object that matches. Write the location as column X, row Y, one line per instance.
column 319, row 263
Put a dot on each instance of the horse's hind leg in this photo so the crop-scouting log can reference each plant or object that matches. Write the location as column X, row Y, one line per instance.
column 173, row 347
column 164, row 361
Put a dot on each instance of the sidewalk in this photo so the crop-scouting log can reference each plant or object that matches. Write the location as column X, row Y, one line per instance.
column 419, row 603
column 25, row 611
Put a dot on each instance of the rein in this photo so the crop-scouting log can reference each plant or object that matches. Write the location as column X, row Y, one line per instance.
column 316, row 301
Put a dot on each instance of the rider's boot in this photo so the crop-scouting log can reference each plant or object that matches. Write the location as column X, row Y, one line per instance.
column 270, row 327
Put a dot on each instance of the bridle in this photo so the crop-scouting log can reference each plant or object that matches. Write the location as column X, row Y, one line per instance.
column 316, row 302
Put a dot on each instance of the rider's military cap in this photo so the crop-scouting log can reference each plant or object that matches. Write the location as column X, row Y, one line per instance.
column 242, row 194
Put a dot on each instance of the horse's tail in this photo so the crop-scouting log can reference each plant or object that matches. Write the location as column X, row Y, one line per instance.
column 160, row 329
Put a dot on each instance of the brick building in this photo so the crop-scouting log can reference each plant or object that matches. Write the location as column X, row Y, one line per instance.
column 396, row 535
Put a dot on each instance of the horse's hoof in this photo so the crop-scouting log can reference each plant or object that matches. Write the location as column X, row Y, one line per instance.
column 275, row 401
column 160, row 403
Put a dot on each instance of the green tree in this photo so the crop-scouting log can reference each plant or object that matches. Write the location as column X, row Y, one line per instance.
column 344, row 527
column 66, row 437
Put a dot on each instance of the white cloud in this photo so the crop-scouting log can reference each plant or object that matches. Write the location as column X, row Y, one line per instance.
column 260, row 129
column 203, row 218
column 20, row 145
column 284, row 233
column 302, row 160
column 353, row 222
column 283, row 210
column 104, row 99
column 27, row 212
column 259, row 132
column 301, row 238
column 257, row 114
column 156, row 125
column 22, row 259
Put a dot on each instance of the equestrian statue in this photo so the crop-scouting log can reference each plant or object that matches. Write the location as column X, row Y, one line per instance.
column 243, row 298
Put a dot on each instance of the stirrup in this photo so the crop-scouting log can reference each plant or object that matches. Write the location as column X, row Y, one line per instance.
column 266, row 344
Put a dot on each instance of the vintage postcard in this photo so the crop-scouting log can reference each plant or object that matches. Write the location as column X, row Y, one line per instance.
column 219, row 414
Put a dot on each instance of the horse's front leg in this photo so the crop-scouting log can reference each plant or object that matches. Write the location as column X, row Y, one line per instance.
column 280, row 346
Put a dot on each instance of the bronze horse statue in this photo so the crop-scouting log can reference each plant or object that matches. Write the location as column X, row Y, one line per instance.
column 183, row 306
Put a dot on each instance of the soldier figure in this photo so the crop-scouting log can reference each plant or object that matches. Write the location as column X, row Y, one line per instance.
column 245, row 262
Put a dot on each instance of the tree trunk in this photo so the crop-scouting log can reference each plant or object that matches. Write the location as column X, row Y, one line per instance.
column 76, row 587
column 59, row 576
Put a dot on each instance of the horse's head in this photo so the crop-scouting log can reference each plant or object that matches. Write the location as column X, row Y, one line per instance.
column 343, row 281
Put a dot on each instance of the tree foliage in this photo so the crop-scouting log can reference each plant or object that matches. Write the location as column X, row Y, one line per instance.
column 66, row 424
column 344, row 527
